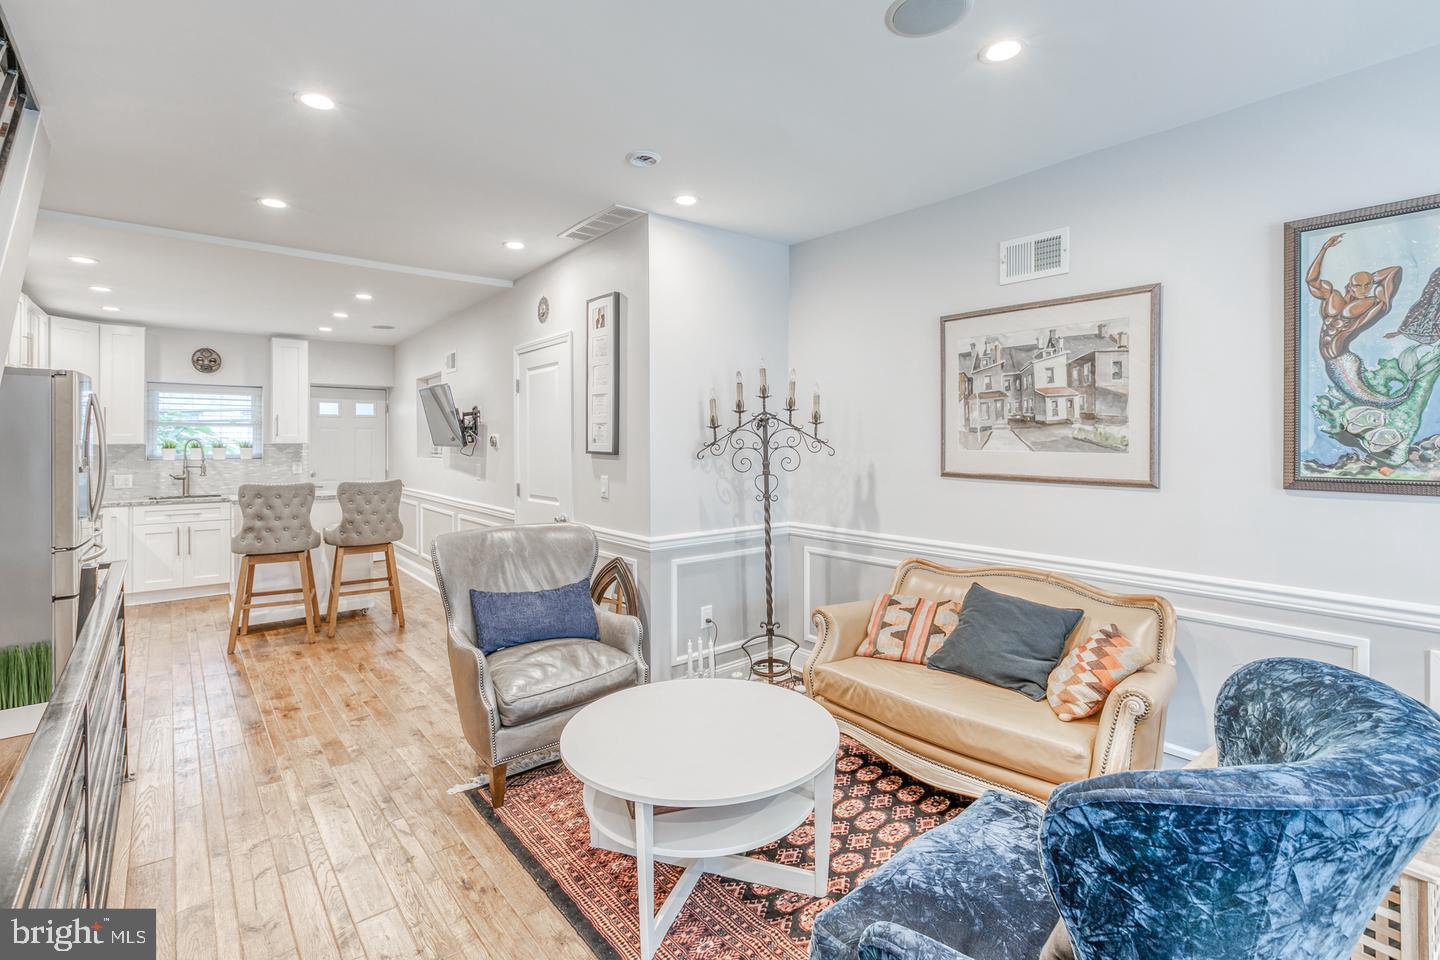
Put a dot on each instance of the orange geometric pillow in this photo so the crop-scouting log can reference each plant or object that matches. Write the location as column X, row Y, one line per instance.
column 1083, row 678
column 908, row 629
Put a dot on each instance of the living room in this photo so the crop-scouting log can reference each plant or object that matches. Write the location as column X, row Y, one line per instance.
column 647, row 299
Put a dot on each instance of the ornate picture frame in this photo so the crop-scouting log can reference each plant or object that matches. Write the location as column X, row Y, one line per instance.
column 1362, row 363
column 602, row 374
column 1054, row 391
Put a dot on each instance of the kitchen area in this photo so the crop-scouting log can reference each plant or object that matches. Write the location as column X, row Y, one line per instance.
column 188, row 417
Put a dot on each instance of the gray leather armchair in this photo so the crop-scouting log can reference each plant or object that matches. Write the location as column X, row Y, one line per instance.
column 513, row 703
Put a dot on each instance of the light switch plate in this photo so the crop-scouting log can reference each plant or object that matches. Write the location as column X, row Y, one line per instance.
column 604, row 487
column 123, row 481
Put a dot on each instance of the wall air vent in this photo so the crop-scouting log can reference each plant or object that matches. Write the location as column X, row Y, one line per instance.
column 611, row 218
column 1038, row 255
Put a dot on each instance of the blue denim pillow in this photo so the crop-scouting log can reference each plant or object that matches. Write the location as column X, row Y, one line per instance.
column 510, row 619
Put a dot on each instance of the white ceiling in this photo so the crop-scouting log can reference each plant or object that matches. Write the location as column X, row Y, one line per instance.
column 462, row 124
column 183, row 283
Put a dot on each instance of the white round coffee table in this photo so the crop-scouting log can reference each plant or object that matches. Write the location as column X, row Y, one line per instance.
column 732, row 765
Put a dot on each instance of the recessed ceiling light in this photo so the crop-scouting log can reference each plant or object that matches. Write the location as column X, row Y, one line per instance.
column 364, row 296
column 101, row 289
column 514, row 245
column 326, row 329
column 274, row 203
column 1001, row 50
column 84, row 261
column 108, row 309
column 338, row 315
column 316, row 101
column 687, row 200
column 382, row 326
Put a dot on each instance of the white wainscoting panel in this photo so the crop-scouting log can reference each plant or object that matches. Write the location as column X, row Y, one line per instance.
column 1222, row 623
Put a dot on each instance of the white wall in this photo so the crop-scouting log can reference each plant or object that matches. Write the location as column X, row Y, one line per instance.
column 485, row 338
column 335, row 364
column 19, row 202
column 244, row 357
column 1199, row 209
column 719, row 303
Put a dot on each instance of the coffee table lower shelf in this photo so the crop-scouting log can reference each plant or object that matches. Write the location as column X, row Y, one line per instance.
column 711, row 840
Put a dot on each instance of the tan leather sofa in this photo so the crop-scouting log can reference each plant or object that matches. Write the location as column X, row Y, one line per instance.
column 969, row 736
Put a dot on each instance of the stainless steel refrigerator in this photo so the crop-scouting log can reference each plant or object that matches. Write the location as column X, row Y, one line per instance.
column 52, row 480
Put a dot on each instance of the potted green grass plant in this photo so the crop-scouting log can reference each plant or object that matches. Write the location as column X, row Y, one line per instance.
column 167, row 449
column 245, row 447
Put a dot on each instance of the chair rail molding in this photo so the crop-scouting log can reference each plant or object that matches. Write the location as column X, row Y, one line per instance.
column 1345, row 606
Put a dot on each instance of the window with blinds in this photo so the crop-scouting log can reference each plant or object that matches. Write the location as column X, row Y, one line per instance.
column 178, row 412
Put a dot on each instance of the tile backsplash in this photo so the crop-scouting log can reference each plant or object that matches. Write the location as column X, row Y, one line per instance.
column 152, row 478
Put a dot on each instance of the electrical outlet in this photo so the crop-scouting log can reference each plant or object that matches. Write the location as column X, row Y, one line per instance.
column 296, row 469
column 707, row 614
column 604, row 487
column 123, row 481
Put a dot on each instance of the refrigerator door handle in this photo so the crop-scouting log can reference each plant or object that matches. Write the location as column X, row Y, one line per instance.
column 97, row 478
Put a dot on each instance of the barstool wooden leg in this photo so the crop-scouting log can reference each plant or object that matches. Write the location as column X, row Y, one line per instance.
column 307, row 587
column 249, row 573
column 241, row 599
column 397, row 606
column 314, row 596
column 336, row 576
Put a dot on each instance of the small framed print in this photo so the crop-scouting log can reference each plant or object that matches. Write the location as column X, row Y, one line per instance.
column 602, row 374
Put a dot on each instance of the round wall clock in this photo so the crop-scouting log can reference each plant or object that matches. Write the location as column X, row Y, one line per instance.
column 205, row 360
column 542, row 310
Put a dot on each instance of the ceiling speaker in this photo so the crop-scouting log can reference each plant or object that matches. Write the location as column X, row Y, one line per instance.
column 925, row 18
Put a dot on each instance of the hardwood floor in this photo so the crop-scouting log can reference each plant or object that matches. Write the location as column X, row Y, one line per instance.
column 290, row 800
column 12, row 751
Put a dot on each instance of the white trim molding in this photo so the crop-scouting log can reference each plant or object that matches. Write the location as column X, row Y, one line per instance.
column 1345, row 606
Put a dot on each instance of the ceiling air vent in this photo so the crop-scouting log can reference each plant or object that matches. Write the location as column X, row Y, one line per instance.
column 1038, row 255
column 602, row 223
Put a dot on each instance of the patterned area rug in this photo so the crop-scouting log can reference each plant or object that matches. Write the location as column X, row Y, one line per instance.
column 878, row 810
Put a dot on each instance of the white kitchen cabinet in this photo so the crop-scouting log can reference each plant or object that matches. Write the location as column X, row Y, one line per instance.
column 158, row 562
column 178, row 546
column 289, row 390
column 122, row 382
column 115, row 534
column 75, row 345
column 30, row 336
column 207, row 552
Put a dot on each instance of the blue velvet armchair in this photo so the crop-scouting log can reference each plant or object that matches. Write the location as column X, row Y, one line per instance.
column 1328, row 783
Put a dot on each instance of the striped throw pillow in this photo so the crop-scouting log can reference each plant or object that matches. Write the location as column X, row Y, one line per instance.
column 908, row 629
column 1085, row 676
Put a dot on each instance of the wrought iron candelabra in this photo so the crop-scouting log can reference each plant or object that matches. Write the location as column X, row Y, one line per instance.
column 769, row 441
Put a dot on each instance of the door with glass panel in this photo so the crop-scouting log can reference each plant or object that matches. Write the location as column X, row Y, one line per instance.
column 347, row 435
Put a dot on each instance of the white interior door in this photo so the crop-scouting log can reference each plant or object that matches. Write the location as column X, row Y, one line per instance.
column 544, row 438
column 347, row 434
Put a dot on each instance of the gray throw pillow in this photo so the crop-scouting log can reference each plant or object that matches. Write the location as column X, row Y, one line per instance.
column 1058, row 946
column 1007, row 641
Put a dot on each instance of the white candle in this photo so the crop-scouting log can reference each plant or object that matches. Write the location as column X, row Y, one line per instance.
column 714, row 421
column 739, row 391
column 790, row 391
column 764, row 385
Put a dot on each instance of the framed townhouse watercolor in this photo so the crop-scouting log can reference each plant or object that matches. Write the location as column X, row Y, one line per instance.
column 1059, row 391
column 602, row 374
column 1362, row 321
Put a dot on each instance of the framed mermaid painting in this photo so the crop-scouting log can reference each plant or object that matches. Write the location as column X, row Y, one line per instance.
column 1362, row 350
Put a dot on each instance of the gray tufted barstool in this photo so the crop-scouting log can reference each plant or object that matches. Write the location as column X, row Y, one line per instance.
column 369, row 524
column 274, row 528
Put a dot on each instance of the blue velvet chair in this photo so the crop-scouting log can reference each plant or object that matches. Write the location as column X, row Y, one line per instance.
column 1328, row 783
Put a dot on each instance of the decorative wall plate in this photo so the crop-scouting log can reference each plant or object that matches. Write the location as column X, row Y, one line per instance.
column 542, row 309
column 205, row 360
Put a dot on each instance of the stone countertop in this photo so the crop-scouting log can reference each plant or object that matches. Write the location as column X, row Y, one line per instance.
column 124, row 499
